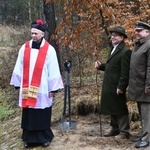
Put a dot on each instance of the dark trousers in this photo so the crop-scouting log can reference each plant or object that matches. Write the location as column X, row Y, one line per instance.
column 120, row 123
column 144, row 109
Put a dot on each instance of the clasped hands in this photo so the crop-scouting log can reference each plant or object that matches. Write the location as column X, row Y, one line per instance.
column 51, row 94
column 147, row 91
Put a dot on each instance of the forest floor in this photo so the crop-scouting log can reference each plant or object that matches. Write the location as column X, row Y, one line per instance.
column 86, row 136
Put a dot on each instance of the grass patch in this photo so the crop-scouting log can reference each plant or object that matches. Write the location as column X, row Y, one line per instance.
column 4, row 112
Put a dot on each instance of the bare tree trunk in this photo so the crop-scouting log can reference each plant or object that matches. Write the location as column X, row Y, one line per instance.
column 29, row 11
column 49, row 12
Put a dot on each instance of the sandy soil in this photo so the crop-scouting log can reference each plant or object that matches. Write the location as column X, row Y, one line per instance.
column 86, row 136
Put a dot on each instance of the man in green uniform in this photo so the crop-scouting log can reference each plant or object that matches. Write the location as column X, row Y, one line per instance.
column 139, row 82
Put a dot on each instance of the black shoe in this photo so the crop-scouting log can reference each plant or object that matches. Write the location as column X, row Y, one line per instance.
column 136, row 139
column 141, row 144
column 112, row 133
column 123, row 135
column 26, row 145
column 139, row 138
column 46, row 144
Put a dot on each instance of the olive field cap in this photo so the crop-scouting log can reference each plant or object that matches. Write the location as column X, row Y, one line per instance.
column 120, row 30
column 38, row 25
column 142, row 25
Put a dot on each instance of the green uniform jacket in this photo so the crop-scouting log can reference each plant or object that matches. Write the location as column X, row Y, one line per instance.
column 116, row 76
column 140, row 71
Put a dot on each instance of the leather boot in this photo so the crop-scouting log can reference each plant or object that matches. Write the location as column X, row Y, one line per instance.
column 112, row 133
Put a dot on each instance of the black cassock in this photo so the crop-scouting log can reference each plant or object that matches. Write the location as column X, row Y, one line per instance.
column 36, row 125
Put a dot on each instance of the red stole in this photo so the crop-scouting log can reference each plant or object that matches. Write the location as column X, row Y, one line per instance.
column 30, row 92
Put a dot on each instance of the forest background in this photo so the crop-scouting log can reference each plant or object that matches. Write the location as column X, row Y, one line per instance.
column 79, row 31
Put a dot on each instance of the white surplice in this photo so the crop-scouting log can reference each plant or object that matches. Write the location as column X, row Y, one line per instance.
column 51, row 79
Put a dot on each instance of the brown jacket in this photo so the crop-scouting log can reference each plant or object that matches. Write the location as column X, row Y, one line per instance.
column 139, row 78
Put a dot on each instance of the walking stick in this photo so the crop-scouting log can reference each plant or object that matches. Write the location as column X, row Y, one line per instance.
column 98, row 99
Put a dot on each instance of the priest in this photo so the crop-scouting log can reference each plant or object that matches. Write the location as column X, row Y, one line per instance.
column 36, row 74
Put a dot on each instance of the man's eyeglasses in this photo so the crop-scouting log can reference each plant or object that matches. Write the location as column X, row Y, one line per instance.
column 138, row 30
column 114, row 35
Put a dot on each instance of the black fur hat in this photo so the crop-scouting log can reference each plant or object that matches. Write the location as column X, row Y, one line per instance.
column 39, row 25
